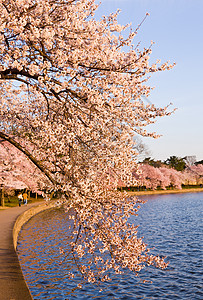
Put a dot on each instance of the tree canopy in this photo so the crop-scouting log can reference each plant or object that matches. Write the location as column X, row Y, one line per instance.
column 71, row 89
column 175, row 162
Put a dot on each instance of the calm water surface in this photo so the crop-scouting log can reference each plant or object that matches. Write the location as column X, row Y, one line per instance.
column 171, row 226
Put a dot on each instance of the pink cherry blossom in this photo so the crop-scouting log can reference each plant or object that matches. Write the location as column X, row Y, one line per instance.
column 71, row 89
column 163, row 177
column 193, row 174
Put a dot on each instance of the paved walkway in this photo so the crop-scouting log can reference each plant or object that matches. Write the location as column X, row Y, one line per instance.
column 12, row 283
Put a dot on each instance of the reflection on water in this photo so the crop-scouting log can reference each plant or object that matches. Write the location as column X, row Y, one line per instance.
column 172, row 224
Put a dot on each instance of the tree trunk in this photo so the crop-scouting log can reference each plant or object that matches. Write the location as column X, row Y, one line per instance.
column 1, row 195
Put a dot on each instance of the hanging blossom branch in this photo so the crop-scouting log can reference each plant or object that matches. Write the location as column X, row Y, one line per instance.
column 71, row 94
column 28, row 154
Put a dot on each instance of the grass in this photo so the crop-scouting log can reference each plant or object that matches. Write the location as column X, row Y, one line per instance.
column 13, row 201
column 171, row 188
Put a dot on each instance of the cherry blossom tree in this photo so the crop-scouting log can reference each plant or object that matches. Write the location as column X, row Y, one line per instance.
column 152, row 177
column 176, row 178
column 193, row 174
column 71, row 89
column 166, row 181
column 17, row 172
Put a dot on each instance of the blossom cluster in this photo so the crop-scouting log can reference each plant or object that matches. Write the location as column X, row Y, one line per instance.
column 71, row 89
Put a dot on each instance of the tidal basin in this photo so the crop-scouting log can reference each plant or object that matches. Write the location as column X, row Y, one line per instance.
column 171, row 226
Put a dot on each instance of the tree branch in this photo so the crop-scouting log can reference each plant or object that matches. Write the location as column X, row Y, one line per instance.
column 28, row 154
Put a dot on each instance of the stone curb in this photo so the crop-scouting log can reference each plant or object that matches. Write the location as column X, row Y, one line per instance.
column 26, row 216
column 12, row 282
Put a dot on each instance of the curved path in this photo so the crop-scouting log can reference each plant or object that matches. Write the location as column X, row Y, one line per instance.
column 12, row 283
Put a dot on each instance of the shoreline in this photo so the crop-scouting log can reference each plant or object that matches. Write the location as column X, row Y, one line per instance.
column 12, row 281
column 160, row 192
column 25, row 216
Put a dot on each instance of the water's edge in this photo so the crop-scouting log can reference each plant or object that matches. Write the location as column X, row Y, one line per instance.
column 21, row 220
column 26, row 216
column 164, row 192
column 173, row 220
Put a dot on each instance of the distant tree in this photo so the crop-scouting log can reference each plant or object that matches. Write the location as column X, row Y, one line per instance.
column 190, row 160
column 175, row 162
column 188, row 177
column 195, row 172
column 150, row 177
column 166, row 182
column 172, row 177
column 148, row 160
column 141, row 149
column 200, row 162
column 175, row 178
column 163, row 177
column 155, row 163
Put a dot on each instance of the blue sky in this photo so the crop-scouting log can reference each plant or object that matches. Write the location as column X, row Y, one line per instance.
column 176, row 27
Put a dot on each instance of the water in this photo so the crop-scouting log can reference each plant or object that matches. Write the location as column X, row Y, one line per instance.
column 171, row 226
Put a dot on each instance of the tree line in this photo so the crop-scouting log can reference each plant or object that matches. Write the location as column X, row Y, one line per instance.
column 175, row 162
